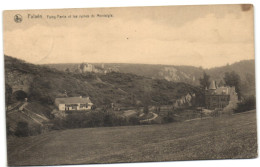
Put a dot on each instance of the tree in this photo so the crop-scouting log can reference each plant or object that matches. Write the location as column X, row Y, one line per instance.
column 134, row 120
column 249, row 103
column 8, row 93
column 146, row 102
column 146, row 109
column 169, row 117
column 221, row 83
column 204, row 82
column 233, row 79
column 132, row 97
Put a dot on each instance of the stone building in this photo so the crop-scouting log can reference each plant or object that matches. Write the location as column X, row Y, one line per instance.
column 219, row 97
column 73, row 103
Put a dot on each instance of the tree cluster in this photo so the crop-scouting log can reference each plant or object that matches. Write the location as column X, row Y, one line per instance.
column 94, row 119
column 233, row 79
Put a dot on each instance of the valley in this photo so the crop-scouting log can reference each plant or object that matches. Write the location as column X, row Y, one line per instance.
column 132, row 118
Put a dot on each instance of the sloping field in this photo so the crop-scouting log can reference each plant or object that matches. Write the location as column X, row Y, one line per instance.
column 214, row 138
column 33, row 113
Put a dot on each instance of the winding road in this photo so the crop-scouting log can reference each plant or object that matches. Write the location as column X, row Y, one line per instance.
column 150, row 119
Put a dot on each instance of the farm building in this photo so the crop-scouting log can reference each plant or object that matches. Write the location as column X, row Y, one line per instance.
column 219, row 97
column 73, row 103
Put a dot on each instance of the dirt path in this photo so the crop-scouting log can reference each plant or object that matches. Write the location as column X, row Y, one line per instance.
column 14, row 108
column 22, row 106
column 150, row 119
column 128, row 113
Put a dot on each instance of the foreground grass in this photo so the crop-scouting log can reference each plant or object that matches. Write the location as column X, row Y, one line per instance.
column 215, row 138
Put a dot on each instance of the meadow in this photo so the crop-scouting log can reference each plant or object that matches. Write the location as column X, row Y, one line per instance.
column 227, row 137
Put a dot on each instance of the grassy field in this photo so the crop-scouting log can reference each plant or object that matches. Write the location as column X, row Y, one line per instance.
column 214, row 138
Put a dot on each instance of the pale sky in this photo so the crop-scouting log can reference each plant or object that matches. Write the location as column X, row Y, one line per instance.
column 206, row 36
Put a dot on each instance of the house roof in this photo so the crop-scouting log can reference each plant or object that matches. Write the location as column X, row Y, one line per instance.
column 72, row 100
column 212, row 85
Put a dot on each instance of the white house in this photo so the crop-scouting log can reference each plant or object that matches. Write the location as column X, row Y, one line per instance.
column 73, row 103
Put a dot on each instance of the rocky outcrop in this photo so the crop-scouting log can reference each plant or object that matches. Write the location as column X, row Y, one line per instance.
column 87, row 67
column 186, row 100
column 173, row 74
column 18, row 81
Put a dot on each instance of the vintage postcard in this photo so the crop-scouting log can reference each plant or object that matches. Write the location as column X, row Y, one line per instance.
column 132, row 84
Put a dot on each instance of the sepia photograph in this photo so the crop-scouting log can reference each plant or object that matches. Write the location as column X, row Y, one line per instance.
column 129, row 84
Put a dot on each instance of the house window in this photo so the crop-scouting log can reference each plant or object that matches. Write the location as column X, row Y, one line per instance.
column 83, row 105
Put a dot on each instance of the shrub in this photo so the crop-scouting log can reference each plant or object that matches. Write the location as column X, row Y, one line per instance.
column 249, row 103
column 168, row 118
column 120, row 121
column 22, row 129
column 134, row 120
column 146, row 109
column 93, row 119
column 75, row 120
column 58, row 124
column 109, row 119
